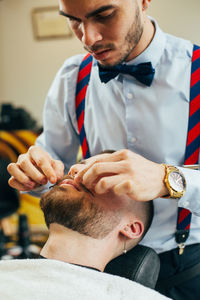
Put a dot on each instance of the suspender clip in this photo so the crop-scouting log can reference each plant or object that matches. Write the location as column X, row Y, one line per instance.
column 181, row 237
column 181, row 248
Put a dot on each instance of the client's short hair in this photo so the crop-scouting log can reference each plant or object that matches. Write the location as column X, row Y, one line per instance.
column 83, row 214
column 87, row 216
column 146, row 213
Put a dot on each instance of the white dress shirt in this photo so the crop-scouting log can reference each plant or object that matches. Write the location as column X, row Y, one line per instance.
column 124, row 113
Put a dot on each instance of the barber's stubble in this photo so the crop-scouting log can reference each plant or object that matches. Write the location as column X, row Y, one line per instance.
column 122, row 35
column 129, row 43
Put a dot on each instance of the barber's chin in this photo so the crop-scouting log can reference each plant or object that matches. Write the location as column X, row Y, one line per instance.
column 101, row 56
column 108, row 63
column 110, row 60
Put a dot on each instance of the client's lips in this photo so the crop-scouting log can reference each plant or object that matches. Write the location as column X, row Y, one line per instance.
column 69, row 182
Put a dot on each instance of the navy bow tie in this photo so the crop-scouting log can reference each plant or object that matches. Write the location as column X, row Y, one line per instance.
column 143, row 72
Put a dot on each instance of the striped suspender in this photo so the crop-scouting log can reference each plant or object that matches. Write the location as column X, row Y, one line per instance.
column 193, row 144
column 81, row 88
column 193, row 139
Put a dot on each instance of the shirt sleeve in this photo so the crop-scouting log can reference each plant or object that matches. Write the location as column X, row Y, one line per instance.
column 191, row 199
column 60, row 136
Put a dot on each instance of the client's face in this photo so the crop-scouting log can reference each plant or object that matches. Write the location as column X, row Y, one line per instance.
column 77, row 208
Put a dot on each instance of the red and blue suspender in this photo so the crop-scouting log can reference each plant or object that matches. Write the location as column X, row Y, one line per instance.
column 193, row 138
column 193, row 144
column 81, row 88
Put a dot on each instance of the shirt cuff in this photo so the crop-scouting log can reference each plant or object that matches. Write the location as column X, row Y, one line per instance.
column 37, row 192
column 191, row 199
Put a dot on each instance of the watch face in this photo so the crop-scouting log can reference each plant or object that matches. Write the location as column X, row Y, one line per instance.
column 176, row 181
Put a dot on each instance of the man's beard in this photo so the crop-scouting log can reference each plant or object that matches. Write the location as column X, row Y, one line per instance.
column 79, row 213
column 131, row 40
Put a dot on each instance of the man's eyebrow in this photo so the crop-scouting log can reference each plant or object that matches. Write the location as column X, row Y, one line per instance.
column 62, row 13
column 89, row 15
column 99, row 10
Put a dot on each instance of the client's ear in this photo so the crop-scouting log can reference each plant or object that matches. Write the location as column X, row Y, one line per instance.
column 133, row 230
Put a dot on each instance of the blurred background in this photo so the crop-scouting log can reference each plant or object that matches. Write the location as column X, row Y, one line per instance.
column 30, row 56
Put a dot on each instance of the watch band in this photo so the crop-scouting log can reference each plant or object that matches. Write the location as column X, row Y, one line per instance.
column 172, row 192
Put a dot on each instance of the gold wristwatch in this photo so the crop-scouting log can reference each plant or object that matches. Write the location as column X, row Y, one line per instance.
column 175, row 182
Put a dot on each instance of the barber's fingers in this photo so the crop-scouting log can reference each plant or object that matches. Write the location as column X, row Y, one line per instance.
column 103, row 157
column 111, row 157
column 117, row 183
column 31, row 169
column 58, row 167
column 124, row 187
column 35, row 167
column 25, row 183
column 78, row 177
column 19, row 176
column 44, row 162
column 76, row 169
column 87, row 163
column 101, row 169
column 52, row 169
column 120, row 156
column 107, row 183
column 115, row 156
column 20, row 187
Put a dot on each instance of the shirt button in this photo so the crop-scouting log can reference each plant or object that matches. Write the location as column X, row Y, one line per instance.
column 133, row 140
column 130, row 96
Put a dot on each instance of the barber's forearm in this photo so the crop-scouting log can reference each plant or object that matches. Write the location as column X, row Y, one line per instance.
column 191, row 199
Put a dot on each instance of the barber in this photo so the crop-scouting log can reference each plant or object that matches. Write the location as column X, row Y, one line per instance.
column 146, row 114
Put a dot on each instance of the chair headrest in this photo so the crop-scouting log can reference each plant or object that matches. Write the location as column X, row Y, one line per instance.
column 141, row 264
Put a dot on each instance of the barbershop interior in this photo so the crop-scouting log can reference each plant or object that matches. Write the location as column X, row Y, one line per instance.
column 35, row 42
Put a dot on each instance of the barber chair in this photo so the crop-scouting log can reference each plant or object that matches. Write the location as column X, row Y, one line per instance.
column 141, row 264
column 9, row 199
column 9, row 203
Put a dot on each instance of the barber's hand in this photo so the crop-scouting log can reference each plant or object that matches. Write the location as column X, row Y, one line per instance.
column 33, row 169
column 124, row 172
column 84, row 165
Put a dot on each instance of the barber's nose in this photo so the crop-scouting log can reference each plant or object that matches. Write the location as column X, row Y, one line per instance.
column 90, row 34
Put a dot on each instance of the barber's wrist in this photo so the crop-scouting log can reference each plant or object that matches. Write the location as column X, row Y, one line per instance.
column 164, row 190
column 174, row 181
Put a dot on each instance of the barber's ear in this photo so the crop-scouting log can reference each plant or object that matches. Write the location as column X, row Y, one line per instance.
column 133, row 230
column 145, row 4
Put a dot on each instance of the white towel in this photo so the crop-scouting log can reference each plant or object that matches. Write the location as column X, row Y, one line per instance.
column 44, row 279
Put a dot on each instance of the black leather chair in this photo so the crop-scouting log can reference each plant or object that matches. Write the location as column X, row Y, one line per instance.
column 9, row 199
column 141, row 264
